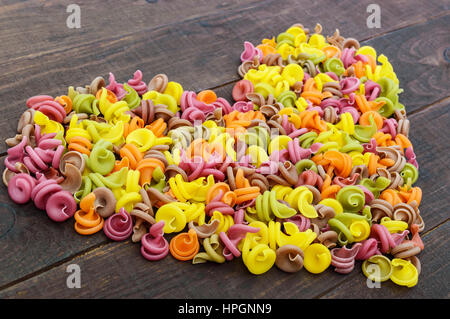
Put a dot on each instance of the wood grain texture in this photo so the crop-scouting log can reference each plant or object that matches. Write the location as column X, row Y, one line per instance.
column 42, row 24
column 39, row 27
column 433, row 279
column 119, row 271
column 30, row 241
column 210, row 46
column 430, row 137
column 417, row 55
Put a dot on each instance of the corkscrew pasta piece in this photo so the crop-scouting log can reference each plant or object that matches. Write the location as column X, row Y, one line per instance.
column 343, row 259
column 119, row 226
column 213, row 251
column 87, row 221
column 185, row 246
column 154, row 245
column 289, row 258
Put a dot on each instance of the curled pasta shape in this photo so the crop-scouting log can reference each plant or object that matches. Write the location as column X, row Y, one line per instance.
column 87, row 221
column 101, row 159
column 205, row 230
column 267, row 207
column 352, row 198
column 185, row 246
column 154, row 245
column 232, row 237
column 343, row 259
column 289, row 258
column 213, row 251
column 406, row 249
column 119, row 226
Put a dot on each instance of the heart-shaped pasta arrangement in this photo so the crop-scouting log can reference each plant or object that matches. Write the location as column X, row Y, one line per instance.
column 309, row 166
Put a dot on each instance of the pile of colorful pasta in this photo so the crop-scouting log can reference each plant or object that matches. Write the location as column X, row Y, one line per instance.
column 311, row 166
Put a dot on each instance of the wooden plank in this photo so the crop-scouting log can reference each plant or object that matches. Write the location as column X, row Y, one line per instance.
column 430, row 136
column 29, row 22
column 38, row 27
column 417, row 55
column 126, row 274
column 30, row 241
column 210, row 56
column 118, row 271
column 433, row 279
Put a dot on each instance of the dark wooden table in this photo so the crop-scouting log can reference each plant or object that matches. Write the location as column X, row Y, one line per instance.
column 197, row 43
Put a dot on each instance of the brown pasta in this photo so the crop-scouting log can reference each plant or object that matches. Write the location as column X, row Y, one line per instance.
column 289, row 258
column 408, row 213
column 310, row 67
column 288, row 172
column 81, row 116
column 156, row 196
column 351, row 43
column 405, row 250
column 336, row 39
column 25, row 119
column 205, row 230
column 324, row 213
column 248, row 65
column 28, row 131
column 328, row 239
column 150, row 112
column 330, row 115
column 270, row 110
column 259, row 180
column 396, row 179
column 158, row 83
column 176, row 122
column 333, row 88
column 362, row 170
column 317, row 197
column 217, row 117
column 273, row 60
column 379, row 209
column 300, row 59
column 392, row 153
column 105, row 202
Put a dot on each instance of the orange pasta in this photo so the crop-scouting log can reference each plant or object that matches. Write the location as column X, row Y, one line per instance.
column 124, row 162
column 312, row 121
column 328, row 190
column 87, row 221
column 135, row 123
column 110, row 96
column 266, row 49
column 66, row 103
column 132, row 153
column 80, row 144
column 391, row 196
column 146, row 167
column 207, row 96
column 215, row 190
column 366, row 106
column 365, row 119
column 331, row 51
column 413, row 194
column 157, row 127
